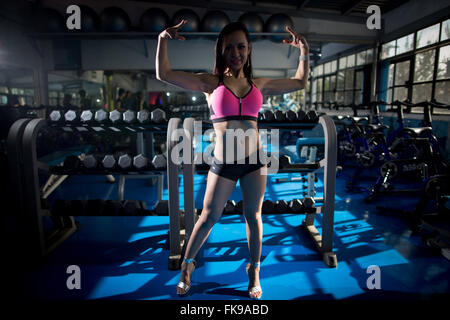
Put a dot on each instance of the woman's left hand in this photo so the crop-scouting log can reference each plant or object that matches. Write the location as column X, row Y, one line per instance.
column 297, row 41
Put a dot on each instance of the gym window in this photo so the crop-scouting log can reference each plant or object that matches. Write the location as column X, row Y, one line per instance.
column 419, row 66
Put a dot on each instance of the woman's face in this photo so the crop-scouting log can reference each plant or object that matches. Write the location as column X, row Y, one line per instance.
column 235, row 50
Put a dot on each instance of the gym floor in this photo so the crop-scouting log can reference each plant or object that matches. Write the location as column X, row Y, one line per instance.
column 126, row 258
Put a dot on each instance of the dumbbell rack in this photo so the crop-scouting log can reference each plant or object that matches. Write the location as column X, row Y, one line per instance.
column 121, row 128
column 24, row 181
column 178, row 237
column 24, row 185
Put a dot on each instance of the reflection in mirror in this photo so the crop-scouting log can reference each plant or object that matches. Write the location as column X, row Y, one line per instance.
column 16, row 86
column 80, row 89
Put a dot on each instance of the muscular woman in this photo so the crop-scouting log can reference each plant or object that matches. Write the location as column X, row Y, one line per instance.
column 234, row 98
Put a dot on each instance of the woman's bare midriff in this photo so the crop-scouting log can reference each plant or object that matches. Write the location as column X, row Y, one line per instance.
column 241, row 137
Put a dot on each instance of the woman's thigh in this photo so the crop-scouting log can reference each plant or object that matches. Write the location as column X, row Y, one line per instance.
column 218, row 190
column 253, row 187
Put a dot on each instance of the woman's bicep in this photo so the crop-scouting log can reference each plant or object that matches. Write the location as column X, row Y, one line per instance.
column 279, row 86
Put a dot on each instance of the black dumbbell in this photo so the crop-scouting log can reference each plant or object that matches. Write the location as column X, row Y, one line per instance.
column 95, row 207
column 77, row 208
column 279, row 116
column 281, row 206
column 229, row 207
column 260, row 116
column 268, row 116
column 60, row 207
column 308, row 202
column 240, row 206
column 291, row 116
column 72, row 163
column 301, row 115
column 296, row 205
column 268, row 207
column 130, row 208
column 112, row 208
column 162, row 208
column 311, row 116
column 284, row 161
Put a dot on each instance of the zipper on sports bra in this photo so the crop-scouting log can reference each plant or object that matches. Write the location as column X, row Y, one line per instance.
column 240, row 106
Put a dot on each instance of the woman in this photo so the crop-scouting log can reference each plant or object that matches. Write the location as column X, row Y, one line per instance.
column 234, row 99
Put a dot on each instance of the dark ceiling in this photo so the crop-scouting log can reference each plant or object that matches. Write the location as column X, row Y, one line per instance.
column 294, row 7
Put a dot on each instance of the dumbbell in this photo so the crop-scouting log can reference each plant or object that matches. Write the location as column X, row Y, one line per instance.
column 291, row 116
column 229, row 207
column 101, row 115
column 128, row 116
column 115, row 116
column 55, row 116
column 268, row 116
column 311, row 116
column 108, row 161
column 268, row 207
column 281, row 206
column 112, row 208
column 260, row 116
column 279, row 116
column 86, row 116
column 90, row 161
column 124, row 161
column 70, row 116
column 284, row 161
column 158, row 116
column 159, row 161
column 296, row 205
column 301, row 115
column 77, row 208
column 95, row 207
column 240, row 206
column 140, row 161
column 308, row 202
column 72, row 163
column 130, row 208
column 162, row 207
column 143, row 116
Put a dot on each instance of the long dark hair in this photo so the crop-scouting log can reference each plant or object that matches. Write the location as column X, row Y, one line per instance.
column 219, row 65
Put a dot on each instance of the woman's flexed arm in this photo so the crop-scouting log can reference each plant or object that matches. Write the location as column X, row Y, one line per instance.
column 299, row 80
column 196, row 82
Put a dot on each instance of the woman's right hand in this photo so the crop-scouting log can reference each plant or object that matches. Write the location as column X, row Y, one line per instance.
column 172, row 32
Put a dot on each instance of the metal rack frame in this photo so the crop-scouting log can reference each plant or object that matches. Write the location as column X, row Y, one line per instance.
column 178, row 237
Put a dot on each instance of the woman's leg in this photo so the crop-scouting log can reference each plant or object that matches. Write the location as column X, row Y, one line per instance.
column 218, row 191
column 253, row 186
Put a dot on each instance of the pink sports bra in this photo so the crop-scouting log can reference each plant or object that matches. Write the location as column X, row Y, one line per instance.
column 225, row 105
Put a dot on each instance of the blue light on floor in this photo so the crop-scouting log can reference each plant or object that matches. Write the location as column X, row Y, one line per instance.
column 127, row 257
column 338, row 282
column 384, row 258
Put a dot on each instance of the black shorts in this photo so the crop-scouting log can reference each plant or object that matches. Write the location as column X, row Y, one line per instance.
column 238, row 169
